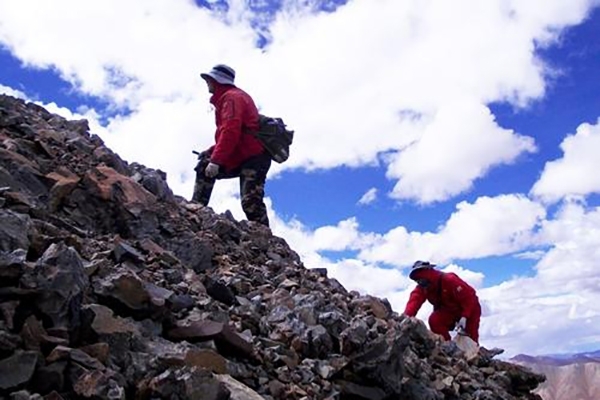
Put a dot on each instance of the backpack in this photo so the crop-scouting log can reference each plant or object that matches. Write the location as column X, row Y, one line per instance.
column 275, row 137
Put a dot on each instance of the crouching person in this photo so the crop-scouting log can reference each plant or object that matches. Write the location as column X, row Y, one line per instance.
column 455, row 303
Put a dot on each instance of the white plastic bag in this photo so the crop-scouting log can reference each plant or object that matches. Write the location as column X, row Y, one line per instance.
column 467, row 345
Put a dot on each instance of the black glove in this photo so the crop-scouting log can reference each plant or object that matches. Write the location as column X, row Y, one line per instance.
column 202, row 154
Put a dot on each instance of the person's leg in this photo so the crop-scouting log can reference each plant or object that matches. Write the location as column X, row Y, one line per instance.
column 203, row 186
column 473, row 324
column 441, row 322
column 253, row 176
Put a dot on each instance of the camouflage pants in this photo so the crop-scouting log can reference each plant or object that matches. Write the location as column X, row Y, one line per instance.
column 252, row 174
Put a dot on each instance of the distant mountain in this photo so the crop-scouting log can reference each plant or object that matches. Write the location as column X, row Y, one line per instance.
column 569, row 376
column 559, row 359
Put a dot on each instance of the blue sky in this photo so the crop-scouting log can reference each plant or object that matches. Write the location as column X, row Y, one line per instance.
column 466, row 133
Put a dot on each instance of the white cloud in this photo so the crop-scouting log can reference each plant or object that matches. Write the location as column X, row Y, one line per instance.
column 489, row 226
column 356, row 275
column 153, row 48
column 369, row 197
column 557, row 309
column 336, row 238
column 575, row 235
column 12, row 92
column 82, row 113
column 336, row 78
column 576, row 173
column 530, row 255
column 341, row 237
column 451, row 155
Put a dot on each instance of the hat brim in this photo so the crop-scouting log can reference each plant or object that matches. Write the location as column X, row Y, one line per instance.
column 220, row 79
column 412, row 273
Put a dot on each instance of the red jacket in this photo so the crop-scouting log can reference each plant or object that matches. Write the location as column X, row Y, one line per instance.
column 235, row 112
column 455, row 296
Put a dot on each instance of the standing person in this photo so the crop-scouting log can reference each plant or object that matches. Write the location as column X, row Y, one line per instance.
column 455, row 303
column 236, row 152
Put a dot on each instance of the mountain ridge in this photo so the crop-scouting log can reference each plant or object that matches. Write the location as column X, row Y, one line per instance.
column 112, row 287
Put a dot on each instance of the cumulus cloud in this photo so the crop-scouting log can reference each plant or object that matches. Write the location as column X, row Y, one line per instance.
column 308, row 243
column 452, row 154
column 539, row 314
column 421, row 75
column 576, row 173
column 12, row 92
column 82, row 113
column 359, row 276
column 489, row 226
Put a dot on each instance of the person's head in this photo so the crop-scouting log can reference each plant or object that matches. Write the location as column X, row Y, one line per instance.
column 220, row 74
column 422, row 272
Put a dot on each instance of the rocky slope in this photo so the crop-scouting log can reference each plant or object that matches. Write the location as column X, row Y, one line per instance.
column 111, row 287
column 575, row 377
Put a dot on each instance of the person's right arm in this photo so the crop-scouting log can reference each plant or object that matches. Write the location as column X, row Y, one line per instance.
column 415, row 301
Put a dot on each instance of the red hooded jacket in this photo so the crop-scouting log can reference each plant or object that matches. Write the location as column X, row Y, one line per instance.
column 235, row 112
column 454, row 296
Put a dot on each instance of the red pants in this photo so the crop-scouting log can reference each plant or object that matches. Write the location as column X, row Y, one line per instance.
column 443, row 321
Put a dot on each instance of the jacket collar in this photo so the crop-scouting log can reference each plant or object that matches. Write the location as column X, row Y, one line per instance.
column 220, row 90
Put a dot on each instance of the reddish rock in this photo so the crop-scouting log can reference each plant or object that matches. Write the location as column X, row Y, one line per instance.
column 61, row 189
column 100, row 351
column 110, row 185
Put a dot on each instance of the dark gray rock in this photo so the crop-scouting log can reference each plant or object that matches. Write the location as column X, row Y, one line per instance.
column 227, row 340
column 11, row 266
column 194, row 252
column 14, row 230
column 21, row 174
column 219, row 291
column 124, row 251
column 381, row 362
column 334, row 322
column 155, row 181
column 181, row 302
column 8, row 343
column 316, row 342
column 49, row 377
column 352, row 390
column 17, row 369
column 61, row 282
